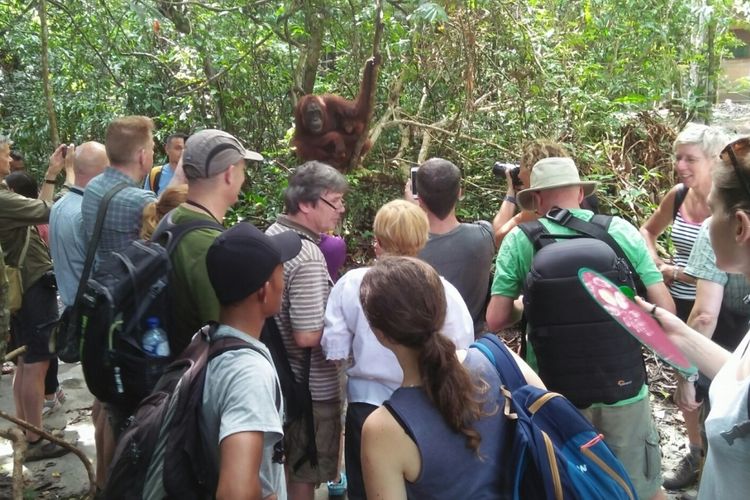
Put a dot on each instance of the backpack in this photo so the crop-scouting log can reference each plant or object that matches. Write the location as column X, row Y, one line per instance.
column 154, row 177
column 679, row 199
column 127, row 288
column 581, row 351
column 297, row 398
column 165, row 429
column 557, row 454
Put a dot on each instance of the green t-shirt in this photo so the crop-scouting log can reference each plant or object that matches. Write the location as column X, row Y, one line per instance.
column 194, row 299
column 516, row 253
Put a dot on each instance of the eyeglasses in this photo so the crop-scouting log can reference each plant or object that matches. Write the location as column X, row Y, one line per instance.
column 731, row 151
column 334, row 207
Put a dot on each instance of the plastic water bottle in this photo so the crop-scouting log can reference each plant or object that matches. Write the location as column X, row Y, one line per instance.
column 154, row 341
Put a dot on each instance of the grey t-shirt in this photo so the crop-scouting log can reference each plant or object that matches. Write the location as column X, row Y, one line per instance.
column 242, row 394
column 464, row 257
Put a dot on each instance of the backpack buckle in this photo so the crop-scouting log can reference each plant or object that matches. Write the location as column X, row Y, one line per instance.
column 559, row 215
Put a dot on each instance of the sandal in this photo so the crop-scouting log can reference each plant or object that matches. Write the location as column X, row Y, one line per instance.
column 44, row 449
column 338, row 488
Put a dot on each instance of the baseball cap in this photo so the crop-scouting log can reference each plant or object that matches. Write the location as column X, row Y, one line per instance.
column 242, row 258
column 210, row 152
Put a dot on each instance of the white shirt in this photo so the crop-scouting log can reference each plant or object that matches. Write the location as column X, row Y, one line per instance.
column 374, row 372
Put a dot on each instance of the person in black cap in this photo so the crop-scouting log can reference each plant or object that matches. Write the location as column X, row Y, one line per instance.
column 214, row 165
column 242, row 413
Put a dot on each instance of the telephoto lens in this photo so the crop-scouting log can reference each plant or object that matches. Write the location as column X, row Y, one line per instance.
column 499, row 169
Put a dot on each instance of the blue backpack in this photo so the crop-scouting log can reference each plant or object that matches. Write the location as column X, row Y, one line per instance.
column 557, row 452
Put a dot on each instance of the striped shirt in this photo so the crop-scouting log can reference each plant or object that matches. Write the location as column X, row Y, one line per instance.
column 684, row 234
column 303, row 305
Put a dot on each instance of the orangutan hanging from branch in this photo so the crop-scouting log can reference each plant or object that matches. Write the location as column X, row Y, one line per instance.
column 327, row 127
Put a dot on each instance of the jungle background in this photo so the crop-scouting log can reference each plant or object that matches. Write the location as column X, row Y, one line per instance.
column 468, row 81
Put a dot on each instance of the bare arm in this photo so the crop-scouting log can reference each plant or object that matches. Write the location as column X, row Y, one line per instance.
column 388, row 455
column 702, row 319
column 56, row 164
column 307, row 339
column 701, row 351
column 659, row 294
column 654, row 227
column 503, row 312
column 239, row 470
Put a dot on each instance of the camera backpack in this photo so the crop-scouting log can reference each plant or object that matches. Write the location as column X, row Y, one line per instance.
column 581, row 352
column 557, row 454
column 127, row 288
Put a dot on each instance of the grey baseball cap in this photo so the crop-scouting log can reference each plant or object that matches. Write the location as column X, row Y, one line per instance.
column 210, row 152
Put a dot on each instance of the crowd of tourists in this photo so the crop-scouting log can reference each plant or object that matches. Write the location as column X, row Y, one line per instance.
column 369, row 381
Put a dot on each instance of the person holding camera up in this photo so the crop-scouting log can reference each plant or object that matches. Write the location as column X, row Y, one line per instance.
column 460, row 252
column 518, row 177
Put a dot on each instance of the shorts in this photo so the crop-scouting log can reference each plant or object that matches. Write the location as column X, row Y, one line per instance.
column 32, row 325
column 630, row 431
column 327, row 419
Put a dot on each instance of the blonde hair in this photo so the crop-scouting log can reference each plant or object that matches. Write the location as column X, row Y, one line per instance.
column 538, row 149
column 126, row 136
column 710, row 140
column 401, row 228
column 156, row 210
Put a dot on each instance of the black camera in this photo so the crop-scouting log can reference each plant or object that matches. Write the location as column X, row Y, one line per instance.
column 499, row 169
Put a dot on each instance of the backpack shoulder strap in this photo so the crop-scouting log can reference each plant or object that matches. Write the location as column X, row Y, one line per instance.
column 499, row 355
column 175, row 232
column 153, row 178
column 596, row 228
column 535, row 232
column 682, row 191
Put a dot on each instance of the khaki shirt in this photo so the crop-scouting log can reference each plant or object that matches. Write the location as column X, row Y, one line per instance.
column 17, row 213
column 4, row 316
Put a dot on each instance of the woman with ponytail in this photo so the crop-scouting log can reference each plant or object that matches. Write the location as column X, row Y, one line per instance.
column 442, row 434
column 400, row 228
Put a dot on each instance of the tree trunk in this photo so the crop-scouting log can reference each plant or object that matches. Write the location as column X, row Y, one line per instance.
column 54, row 134
column 314, row 26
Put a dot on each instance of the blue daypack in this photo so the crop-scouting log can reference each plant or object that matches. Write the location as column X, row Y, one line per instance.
column 557, row 453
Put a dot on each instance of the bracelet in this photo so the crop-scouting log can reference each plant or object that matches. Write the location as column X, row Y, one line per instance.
column 692, row 378
column 50, row 181
column 675, row 273
column 511, row 199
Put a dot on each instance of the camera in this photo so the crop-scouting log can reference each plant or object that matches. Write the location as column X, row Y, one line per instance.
column 499, row 169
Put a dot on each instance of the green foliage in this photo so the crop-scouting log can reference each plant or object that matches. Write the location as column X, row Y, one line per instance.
column 479, row 77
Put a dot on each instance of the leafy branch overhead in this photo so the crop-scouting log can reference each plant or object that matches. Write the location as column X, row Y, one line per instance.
column 469, row 81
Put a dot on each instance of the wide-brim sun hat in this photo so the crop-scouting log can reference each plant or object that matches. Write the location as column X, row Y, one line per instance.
column 553, row 173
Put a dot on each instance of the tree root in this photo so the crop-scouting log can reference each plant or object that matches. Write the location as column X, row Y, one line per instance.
column 19, row 453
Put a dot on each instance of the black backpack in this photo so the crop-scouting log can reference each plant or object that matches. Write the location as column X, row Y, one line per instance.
column 165, row 428
column 127, row 288
column 582, row 353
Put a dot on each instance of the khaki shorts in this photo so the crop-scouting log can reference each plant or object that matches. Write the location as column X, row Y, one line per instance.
column 630, row 431
column 327, row 419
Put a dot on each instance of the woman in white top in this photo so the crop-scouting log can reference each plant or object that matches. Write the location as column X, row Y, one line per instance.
column 726, row 470
column 401, row 229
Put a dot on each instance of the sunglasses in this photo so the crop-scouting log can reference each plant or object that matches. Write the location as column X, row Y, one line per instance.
column 732, row 150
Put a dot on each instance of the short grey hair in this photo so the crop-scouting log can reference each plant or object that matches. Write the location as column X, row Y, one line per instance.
column 309, row 181
column 710, row 140
column 5, row 139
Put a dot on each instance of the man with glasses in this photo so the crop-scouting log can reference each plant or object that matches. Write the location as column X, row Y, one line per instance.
column 214, row 165
column 314, row 203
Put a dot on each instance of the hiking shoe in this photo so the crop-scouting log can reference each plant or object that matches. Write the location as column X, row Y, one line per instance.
column 684, row 475
column 338, row 488
column 44, row 449
column 51, row 406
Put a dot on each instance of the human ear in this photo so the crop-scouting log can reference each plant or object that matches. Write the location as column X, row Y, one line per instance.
column 742, row 231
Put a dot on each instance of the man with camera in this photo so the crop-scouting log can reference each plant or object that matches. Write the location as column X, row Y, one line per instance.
column 461, row 252
column 33, row 319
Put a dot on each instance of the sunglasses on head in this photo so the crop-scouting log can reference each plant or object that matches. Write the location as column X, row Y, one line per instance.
column 731, row 151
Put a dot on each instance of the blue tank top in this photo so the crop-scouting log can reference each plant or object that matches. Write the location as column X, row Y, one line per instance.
column 450, row 470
